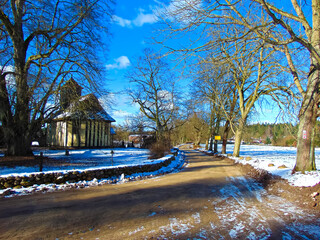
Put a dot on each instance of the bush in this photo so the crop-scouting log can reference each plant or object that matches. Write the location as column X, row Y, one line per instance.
column 291, row 141
column 268, row 141
column 288, row 141
column 159, row 149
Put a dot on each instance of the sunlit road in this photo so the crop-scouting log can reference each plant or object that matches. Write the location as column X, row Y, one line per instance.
column 209, row 199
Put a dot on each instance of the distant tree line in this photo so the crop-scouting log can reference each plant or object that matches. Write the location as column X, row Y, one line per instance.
column 280, row 134
column 196, row 129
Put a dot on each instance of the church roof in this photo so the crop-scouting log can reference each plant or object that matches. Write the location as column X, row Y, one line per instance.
column 86, row 107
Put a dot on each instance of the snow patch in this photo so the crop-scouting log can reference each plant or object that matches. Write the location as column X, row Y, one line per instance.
column 270, row 158
column 173, row 167
column 177, row 227
column 137, row 230
column 197, row 218
column 243, row 206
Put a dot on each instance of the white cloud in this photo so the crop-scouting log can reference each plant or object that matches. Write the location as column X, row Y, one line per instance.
column 121, row 114
column 180, row 11
column 142, row 19
column 119, row 106
column 183, row 11
column 139, row 21
column 121, row 21
column 120, row 63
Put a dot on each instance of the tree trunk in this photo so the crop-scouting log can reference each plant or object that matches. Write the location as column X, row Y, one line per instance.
column 19, row 146
column 211, row 142
column 198, row 139
column 227, row 125
column 309, row 109
column 18, row 137
column 210, row 133
column 159, row 132
column 305, row 160
column 215, row 148
column 224, row 146
column 225, row 137
column 239, row 133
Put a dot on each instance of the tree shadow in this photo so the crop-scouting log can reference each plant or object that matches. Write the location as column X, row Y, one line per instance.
column 131, row 202
column 107, row 208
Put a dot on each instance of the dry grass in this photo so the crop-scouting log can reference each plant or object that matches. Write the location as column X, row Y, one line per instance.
column 159, row 149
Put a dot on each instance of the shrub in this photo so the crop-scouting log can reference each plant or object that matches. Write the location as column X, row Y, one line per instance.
column 291, row 142
column 159, row 149
column 288, row 141
column 268, row 141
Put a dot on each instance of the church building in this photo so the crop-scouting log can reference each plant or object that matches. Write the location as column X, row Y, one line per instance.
column 82, row 121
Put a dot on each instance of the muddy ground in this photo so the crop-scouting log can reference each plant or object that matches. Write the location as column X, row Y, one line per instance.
column 211, row 198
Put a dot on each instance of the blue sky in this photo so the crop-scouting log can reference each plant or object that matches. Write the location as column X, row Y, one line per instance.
column 132, row 28
column 134, row 25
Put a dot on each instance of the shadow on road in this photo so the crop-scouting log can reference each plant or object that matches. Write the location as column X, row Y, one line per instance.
column 213, row 189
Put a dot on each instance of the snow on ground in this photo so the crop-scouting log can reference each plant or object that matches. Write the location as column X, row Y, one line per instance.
column 83, row 159
column 263, row 156
column 247, row 211
column 100, row 159
column 244, row 210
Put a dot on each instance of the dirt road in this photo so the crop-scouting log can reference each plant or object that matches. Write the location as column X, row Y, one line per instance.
column 208, row 199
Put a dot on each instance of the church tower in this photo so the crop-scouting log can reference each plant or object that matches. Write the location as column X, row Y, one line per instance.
column 69, row 92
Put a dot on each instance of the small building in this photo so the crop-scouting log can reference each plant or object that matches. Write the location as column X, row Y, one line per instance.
column 82, row 121
column 142, row 140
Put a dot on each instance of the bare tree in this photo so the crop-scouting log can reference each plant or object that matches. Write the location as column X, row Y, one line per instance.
column 287, row 30
column 154, row 90
column 274, row 25
column 218, row 87
column 244, row 68
column 193, row 129
column 205, row 92
column 252, row 71
column 44, row 42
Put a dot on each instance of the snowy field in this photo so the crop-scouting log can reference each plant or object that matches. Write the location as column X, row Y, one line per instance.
column 91, row 159
column 269, row 158
column 263, row 157
column 83, row 159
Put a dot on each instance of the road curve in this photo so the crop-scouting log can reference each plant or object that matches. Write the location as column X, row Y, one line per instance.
column 209, row 199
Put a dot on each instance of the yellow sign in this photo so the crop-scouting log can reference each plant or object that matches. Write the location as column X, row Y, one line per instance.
column 217, row 137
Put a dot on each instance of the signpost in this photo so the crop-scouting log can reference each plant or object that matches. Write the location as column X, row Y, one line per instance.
column 112, row 152
column 216, row 138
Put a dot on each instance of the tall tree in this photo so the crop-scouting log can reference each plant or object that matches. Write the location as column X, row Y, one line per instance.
column 205, row 90
column 242, row 67
column 290, row 28
column 154, row 90
column 43, row 43
column 218, row 86
column 252, row 71
column 284, row 24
